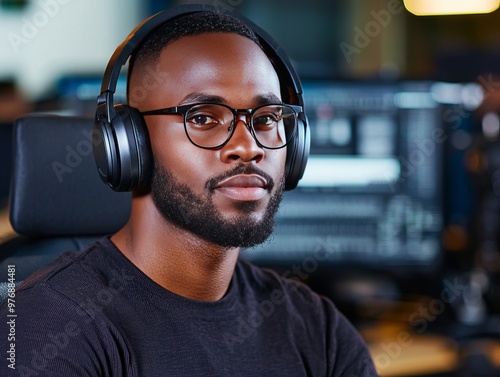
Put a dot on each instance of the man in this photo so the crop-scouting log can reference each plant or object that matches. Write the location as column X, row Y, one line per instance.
column 167, row 295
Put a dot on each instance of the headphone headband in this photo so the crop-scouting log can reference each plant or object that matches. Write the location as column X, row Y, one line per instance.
column 135, row 38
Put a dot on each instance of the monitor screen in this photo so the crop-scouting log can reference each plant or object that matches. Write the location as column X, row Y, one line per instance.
column 372, row 192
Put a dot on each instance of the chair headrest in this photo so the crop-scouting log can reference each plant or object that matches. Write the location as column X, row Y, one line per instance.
column 56, row 189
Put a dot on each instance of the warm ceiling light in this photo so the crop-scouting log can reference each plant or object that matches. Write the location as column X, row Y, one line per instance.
column 444, row 7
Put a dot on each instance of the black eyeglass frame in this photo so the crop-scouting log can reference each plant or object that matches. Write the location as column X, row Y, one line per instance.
column 184, row 109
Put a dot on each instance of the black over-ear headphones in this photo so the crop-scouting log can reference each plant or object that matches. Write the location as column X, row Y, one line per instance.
column 122, row 148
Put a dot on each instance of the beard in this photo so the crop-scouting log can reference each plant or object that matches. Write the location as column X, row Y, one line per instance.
column 197, row 214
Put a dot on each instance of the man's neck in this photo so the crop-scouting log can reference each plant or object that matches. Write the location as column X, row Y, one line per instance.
column 174, row 258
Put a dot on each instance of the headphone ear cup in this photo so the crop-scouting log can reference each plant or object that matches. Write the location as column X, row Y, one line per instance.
column 297, row 155
column 105, row 152
column 123, row 157
column 142, row 146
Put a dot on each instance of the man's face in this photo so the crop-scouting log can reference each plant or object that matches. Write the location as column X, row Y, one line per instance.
column 227, row 196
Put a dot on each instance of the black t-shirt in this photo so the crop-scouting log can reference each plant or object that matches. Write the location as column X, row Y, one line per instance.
column 94, row 313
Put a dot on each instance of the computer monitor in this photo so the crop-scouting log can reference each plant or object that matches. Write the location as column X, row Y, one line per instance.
column 77, row 94
column 373, row 191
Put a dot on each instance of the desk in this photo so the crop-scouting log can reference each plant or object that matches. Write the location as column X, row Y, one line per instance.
column 398, row 351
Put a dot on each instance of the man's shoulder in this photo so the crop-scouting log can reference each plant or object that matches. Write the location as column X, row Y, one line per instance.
column 66, row 276
column 59, row 303
column 310, row 316
column 62, row 267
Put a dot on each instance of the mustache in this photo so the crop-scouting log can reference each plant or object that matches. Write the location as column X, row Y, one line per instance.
column 213, row 182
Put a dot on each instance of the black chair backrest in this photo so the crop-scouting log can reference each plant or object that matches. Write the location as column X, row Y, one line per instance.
column 58, row 202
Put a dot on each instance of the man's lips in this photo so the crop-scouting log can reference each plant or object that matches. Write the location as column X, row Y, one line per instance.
column 243, row 187
column 243, row 180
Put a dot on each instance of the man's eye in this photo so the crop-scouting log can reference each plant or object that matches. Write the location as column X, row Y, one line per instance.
column 266, row 120
column 202, row 120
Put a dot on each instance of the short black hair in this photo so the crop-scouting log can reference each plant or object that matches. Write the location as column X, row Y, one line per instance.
column 189, row 24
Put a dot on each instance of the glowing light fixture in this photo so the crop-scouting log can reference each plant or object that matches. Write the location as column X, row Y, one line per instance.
column 448, row 7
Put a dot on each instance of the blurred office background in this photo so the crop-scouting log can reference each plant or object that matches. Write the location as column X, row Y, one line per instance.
column 398, row 215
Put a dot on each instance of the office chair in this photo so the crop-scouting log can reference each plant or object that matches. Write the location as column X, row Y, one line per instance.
column 58, row 203
column 5, row 160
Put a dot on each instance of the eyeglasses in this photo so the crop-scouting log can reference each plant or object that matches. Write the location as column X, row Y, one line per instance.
column 211, row 125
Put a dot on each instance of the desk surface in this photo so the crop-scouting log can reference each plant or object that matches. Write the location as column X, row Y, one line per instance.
column 398, row 351
column 417, row 355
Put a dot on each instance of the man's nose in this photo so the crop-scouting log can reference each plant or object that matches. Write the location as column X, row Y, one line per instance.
column 242, row 145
